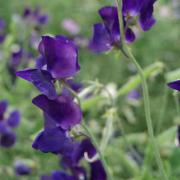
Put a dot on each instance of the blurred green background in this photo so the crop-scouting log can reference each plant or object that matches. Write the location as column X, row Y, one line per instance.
column 160, row 44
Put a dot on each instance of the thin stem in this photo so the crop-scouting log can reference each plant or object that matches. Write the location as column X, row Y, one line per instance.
column 148, row 115
column 94, row 141
column 88, row 131
column 145, row 94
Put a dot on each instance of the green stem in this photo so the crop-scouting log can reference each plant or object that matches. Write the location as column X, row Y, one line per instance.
column 88, row 131
column 145, row 94
column 94, row 141
column 148, row 115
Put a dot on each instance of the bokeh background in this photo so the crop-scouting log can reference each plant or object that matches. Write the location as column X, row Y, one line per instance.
column 159, row 45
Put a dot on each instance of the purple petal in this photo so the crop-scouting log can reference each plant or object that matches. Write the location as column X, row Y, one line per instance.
column 109, row 15
column 134, row 94
column 146, row 18
column 3, row 107
column 61, row 55
column 85, row 147
column 40, row 62
column 60, row 175
column 41, row 79
column 52, row 140
column 62, row 110
column 27, row 12
column 8, row 139
column 49, row 123
column 22, row 169
column 43, row 19
column 101, row 40
column 14, row 119
column 131, row 7
column 3, row 127
column 175, row 85
column 97, row 171
column 130, row 36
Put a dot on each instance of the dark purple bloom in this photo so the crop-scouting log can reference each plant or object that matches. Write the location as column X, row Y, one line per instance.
column 27, row 12
column 61, row 56
column 97, row 171
column 40, row 62
column 141, row 8
column 175, row 85
column 7, row 139
column 2, row 38
column 3, row 127
column 22, row 169
column 85, row 147
column 41, row 79
column 58, row 175
column 53, row 140
column 107, row 35
column 62, row 110
column 42, row 19
column 101, row 40
column 14, row 119
column 3, row 107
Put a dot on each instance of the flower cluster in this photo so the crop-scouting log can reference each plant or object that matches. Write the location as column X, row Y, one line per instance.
column 59, row 62
column 7, row 124
column 35, row 16
column 107, row 34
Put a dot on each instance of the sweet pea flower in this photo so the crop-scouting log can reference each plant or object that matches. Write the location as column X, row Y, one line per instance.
column 107, row 34
column 174, row 85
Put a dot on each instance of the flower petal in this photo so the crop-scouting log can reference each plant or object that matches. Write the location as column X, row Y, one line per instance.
column 61, row 55
column 101, row 40
column 63, row 110
column 41, row 79
column 175, row 85
column 14, row 119
column 53, row 140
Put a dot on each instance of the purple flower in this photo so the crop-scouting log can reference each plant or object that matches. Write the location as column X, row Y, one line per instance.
column 97, row 171
column 107, row 34
column 58, row 175
column 35, row 16
column 53, row 140
column 14, row 119
column 141, row 8
column 134, row 94
column 7, row 139
column 3, row 107
column 62, row 110
column 175, row 85
column 22, row 169
column 41, row 79
column 61, row 56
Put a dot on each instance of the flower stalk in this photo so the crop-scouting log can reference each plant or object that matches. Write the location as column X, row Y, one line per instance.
column 145, row 93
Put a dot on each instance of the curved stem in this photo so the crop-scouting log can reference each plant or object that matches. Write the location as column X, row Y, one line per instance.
column 145, row 92
column 148, row 116
column 90, row 134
